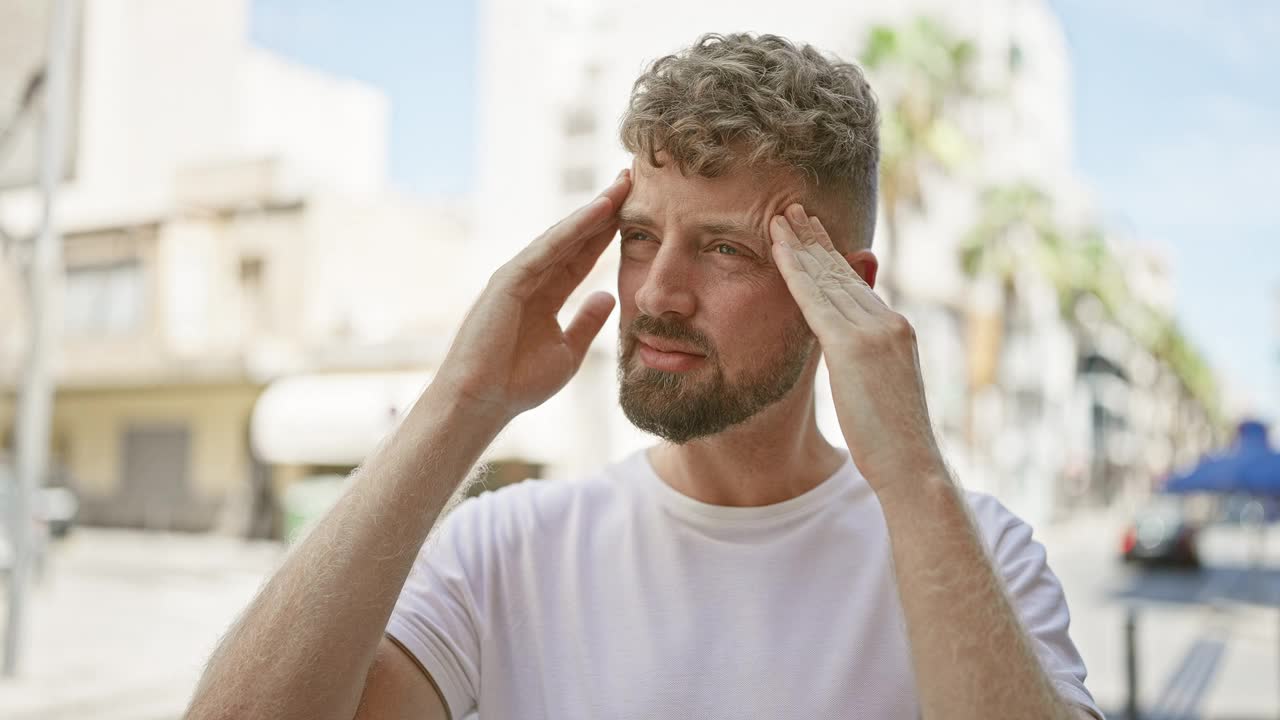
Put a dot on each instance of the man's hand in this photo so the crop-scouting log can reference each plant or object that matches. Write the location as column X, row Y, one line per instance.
column 870, row 351
column 952, row 597
column 511, row 354
column 305, row 646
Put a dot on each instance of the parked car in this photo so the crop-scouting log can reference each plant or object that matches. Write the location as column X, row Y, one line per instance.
column 54, row 507
column 58, row 508
column 1162, row 534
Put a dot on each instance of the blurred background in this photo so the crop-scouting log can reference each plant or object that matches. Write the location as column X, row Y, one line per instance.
column 236, row 238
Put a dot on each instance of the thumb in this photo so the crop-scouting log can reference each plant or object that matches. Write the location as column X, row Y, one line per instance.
column 587, row 322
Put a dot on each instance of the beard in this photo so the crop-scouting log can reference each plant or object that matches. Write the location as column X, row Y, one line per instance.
column 681, row 407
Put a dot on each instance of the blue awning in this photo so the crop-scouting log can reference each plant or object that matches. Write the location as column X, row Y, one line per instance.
column 1251, row 467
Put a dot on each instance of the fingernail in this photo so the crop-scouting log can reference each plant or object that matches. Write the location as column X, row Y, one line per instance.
column 796, row 213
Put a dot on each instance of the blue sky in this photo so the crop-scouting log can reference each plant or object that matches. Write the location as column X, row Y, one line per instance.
column 1177, row 132
column 421, row 54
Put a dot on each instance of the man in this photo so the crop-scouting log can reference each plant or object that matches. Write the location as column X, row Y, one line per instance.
column 743, row 568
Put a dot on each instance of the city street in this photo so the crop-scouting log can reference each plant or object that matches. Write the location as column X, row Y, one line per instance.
column 124, row 620
column 239, row 241
column 1208, row 640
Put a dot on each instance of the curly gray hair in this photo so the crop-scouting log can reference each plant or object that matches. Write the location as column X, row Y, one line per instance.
column 737, row 100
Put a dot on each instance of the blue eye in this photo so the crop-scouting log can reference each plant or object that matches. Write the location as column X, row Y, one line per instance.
column 732, row 250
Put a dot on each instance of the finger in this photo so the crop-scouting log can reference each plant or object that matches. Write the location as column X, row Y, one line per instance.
column 785, row 233
column 815, row 238
column 816, row 244
column 865, row 296
column 567, row 235
column 828, row 275
column 798, row 230
column 833, row 286
column 618, row 190
column 616, row 194
column 565, row 278
column 824, row 317
column 857, row 288
column 809, row 229
column 799, row 221
column 824, row 239
column 586, row 324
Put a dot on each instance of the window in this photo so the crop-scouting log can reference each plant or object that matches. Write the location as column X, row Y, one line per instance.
column 104, row 299
column 579, row 121
column 1016, row 58
column 252, row 294
column 251, row 272
column 578, row 179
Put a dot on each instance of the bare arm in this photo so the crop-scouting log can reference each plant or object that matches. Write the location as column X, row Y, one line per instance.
column 971, row 656
column 305, row 645
column 397, row 688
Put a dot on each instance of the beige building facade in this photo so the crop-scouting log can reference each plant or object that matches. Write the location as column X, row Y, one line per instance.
column 217, row 239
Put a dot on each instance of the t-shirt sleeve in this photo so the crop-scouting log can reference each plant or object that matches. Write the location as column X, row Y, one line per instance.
column 435, row 617
column 1037, row 597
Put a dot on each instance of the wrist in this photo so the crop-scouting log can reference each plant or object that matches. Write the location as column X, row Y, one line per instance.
column 445, row 400
column 440, row 406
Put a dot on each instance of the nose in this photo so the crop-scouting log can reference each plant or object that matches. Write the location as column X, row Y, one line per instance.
column 668, row 284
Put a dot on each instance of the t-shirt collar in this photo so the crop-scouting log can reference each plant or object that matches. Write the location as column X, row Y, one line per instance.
column 845, row 478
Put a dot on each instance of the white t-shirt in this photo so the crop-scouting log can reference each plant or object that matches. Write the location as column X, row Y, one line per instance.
column 617, row 597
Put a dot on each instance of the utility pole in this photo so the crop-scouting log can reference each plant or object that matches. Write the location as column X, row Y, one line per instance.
column 35, row 399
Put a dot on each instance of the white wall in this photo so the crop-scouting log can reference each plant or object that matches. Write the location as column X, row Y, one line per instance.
column 332, row 131
column 542, row 57
column 169, row 86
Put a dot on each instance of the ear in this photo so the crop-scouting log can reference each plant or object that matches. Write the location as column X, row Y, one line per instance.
column 865, row 263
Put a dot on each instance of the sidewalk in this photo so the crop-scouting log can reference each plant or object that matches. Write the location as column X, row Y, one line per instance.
column 1208, row 641
column 123, row 622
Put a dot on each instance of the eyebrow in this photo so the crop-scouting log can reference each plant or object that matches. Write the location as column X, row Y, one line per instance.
column 725, row 227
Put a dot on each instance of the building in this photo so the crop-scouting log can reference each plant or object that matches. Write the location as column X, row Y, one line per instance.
column 217, row 237
column 557, row 111
column 247, row 303
column 548, row 139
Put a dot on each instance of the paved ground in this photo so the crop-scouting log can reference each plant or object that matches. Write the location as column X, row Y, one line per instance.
column 124, row 620
column 1208, row 641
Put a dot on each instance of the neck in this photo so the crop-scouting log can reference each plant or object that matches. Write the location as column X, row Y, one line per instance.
column 776, row 455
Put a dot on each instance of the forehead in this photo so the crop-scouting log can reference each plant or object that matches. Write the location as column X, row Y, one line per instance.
column 664, row 194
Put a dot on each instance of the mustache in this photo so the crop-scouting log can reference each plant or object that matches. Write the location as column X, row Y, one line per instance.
column 667, row 330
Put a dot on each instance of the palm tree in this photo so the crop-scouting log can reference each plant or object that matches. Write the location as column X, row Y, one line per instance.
column 1090, row 269
column 923, row 70
column 1016, row 232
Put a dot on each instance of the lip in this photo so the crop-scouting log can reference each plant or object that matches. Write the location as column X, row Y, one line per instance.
column 666, row 346
column 667, row 360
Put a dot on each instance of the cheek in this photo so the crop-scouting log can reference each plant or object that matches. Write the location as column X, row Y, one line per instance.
column 756, row 315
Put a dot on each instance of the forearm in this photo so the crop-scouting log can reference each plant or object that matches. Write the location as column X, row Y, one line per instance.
column 304, row 645
column 971, row 656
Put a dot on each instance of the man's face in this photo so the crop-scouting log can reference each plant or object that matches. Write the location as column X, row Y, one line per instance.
column 709, row 334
